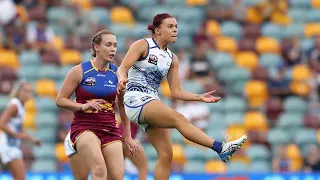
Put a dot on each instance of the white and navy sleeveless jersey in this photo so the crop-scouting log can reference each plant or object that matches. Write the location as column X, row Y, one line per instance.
column 145, row 75
column 15, row 124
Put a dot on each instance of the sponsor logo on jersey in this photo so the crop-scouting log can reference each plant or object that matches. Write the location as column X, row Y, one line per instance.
column 153, row 59
column 109, row 84
column 90, row 81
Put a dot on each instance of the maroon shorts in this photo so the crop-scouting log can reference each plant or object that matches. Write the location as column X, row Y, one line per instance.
column 105, row 137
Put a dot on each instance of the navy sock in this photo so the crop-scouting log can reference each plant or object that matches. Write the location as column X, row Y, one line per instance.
column 217, row 146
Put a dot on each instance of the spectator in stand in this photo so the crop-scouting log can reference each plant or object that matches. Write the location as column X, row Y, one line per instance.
column 293, row 54
column 41, row 36
column 314, row 55
column 280, row 85
column 280, row 162
column 312, row 161
column 15, row 37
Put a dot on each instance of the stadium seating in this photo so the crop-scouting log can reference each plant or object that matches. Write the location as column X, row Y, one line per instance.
column 243, row 57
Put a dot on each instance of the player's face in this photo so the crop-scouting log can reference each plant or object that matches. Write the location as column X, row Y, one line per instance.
column 25, row 92
column 169, row 30
column 108, row 47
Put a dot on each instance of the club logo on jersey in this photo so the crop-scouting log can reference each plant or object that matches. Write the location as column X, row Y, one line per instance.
column 153, row 59
column 90, row 81
column 144, row 98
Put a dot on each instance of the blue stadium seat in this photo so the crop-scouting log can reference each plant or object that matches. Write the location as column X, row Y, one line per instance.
column 231, row 28
column 220, row 60
column 278, row 136
column 237, row 166
column 176, row 136
column 307, row 44
column 295, row 29
column 47, row 165
column 272, row 30
column 63, row 71
column 46, row 119
column 290, row 120
column 86, row 55
column 260, row 166
column 45, row 104
column 304, row 136
column 29, row 57
column 298, row 15
column 184, row 42
column 28, row 72
column 233, row 118
column 258, row 153
column 295, row 105
column 101, row 15
column 270, row 60
column 48, row 72
column 194, row 166
column 46, row 151
column 120, row 30
column 3, row 102
column 140, row 30
column 235, row 104
column 195, row 153
column 192, row 86
column 300, row 4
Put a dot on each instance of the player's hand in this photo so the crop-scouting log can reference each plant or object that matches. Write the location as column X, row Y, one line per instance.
column 131, row 145
column 36, row 142
column 24, row 136
column 95, row 104
column 122, row 85
column 209, row 98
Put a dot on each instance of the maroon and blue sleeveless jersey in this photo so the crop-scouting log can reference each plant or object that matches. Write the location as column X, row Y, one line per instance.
column 96, row 84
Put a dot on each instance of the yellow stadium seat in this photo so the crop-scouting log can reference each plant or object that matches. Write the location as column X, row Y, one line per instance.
column 9, row 58
column 23, row 13
column 85, row 4
column 46, row 87
column 60, row 153
column 296, row 165
column 293, row 152
column 213, row 28
column 178, row 154
column 256, row 92
column 226, row 44
column 58, row 43
column 69, row 57
column 315, row 3
column 30, row 106
column 247, row 59
column 312, row 29
column 165, row 88
column 301, row 73
column 196, row 2
column 254, row 16
column 215, row 166
column 255, row 121
column 29, row 121
column 122, row 15
column 267, row 44
column 300, row 88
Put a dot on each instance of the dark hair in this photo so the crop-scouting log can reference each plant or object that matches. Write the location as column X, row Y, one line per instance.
column 97, row 39
column 157, row 20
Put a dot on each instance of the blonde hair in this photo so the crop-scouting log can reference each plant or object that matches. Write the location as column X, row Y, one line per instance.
column 97, row 40
column 16, row 88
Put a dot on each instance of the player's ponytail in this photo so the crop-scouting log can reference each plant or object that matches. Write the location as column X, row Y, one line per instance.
column 157, row 20
column 16, row 88
column 96, row 40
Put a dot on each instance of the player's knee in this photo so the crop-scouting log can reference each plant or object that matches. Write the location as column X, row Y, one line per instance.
column 99, row 171
column 166, row 154
column 118, row 175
